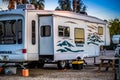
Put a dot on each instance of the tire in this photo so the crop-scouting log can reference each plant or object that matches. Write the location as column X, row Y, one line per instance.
column 61, row 64
column 68, row 65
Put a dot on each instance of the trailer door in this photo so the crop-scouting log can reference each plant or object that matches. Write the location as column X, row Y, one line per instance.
column 45, row 35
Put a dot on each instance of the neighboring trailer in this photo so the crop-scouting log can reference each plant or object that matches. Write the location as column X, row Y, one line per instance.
column 116, row 39
column 50, row 36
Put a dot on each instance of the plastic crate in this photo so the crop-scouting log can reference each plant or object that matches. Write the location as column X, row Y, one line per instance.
column 10, row 70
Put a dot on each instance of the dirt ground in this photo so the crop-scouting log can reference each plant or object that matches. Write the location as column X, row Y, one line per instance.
column 50, row 72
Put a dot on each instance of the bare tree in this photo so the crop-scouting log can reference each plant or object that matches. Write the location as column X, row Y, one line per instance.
column 64, row 5
column 41, row 4
column 79, row 7
column 74, row 5
column 22, row 1
column 11, row 4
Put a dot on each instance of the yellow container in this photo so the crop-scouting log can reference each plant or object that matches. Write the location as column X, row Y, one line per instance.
column 77, row 65
column 78, row 62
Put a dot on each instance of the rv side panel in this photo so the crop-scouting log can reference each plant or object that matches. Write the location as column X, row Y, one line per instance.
column 107, row 35
column 32, row 35
column 65, row 47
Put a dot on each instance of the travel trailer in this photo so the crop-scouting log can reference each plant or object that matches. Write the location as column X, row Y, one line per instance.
column 39, row 36
column 116, row 39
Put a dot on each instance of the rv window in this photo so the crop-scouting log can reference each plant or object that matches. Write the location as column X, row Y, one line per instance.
column 45, row 31
column 11, row 31
column 60, row 31
column 8, row 32
column 79, row 35
column 63, row 31
column 66, row 31
column 100, row 30
column 19, row 30
column 33, row 32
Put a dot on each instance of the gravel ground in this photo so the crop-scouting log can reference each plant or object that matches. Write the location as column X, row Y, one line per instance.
column 50, row 72
column 88, row 73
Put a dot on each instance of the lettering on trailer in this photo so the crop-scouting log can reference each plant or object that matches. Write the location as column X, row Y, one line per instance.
column 5, row 52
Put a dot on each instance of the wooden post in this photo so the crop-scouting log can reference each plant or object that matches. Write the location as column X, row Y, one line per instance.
column 94, row 60
column 102, row 50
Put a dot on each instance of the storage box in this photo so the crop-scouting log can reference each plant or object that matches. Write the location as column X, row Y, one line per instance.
column 77, row 65
column 10, row 70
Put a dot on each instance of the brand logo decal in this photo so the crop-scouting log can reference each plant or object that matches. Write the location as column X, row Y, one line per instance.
column 5, row 52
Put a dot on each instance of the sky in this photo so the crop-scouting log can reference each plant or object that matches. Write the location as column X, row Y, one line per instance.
column 103, row 9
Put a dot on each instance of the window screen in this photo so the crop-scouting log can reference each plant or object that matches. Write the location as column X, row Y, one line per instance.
column 79, row 35
column 100, row 30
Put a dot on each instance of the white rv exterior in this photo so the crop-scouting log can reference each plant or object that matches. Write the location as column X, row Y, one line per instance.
column 34, row 35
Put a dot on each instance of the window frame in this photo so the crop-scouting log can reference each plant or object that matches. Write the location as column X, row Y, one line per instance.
column 43, row 31
column 80, row 42
column 19, row 33
column 99, row 30
column 33, row 22
column 64, row 34
column 9, row 35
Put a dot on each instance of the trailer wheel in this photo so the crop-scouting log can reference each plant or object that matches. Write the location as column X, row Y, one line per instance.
column 68, row 64
column 61, row 64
